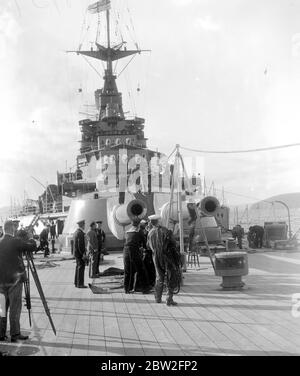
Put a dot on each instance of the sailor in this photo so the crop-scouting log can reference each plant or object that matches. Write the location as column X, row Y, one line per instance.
column 258, row 237
column 166, row 259
column 133, row 262
column 53, row 230
column 147, row 257
column 79, row 253
column 251, row 237
column 12, row 277
column 93, row 251
column 144, row 231
column 238, row 233
column 101, row 240
column 44, row 244
column 53, row 235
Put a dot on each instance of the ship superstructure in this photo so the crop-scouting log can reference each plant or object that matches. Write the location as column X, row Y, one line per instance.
column 103, row 137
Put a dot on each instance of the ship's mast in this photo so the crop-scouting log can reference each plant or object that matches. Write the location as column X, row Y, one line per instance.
column 108, row 99
column 109, row 54
column 109, row 62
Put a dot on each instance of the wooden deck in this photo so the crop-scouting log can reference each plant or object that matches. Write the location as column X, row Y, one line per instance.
column 207, row 321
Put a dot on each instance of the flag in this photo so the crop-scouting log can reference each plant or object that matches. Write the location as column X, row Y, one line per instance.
column 100, row 6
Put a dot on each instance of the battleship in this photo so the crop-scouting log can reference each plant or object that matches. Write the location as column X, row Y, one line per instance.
column 117, row 176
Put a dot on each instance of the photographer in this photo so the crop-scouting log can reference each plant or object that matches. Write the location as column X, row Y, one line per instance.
column 12, row 277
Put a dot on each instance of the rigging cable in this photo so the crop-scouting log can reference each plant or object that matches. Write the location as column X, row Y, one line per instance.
column 132, row 25
column 130, row 34
column 82, row 28
column 118, row 31
column 128, row 83
column 98, row 28
column 71, row 108
column 126, row 65
column 119, row 18
column 244, row 196
column 241, row 151
column 116, row 67
column 84, row 24
column 91, row 65
column 172, row 153
column 146, row 84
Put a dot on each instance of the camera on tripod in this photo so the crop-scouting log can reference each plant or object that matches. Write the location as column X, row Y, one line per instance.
column 31, row 268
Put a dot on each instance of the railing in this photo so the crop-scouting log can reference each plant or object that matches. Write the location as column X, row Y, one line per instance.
column 51, row 207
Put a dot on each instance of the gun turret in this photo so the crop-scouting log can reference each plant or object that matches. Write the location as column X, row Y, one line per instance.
column 123, row 214
column 204, row 211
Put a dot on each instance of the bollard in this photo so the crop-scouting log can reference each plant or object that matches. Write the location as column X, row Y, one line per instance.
column 231, row 266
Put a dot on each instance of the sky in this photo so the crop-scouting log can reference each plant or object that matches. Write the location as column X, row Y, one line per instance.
column 221, row 75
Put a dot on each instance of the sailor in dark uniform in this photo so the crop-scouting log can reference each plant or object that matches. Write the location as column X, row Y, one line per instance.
column 133, row 262
column 238, row 233
column 259, row 235
column 101, row 240
column 44, row 244
column 93, row 251
column 147, row 257
column 53, row 235
column 79, row 253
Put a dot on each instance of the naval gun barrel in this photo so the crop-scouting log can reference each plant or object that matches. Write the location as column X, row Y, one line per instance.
column 124, row 214
column 207, row 206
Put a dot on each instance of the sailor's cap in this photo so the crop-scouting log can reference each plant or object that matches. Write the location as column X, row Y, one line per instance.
column 100, row 222
column 154, row 217
column 81, row 222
